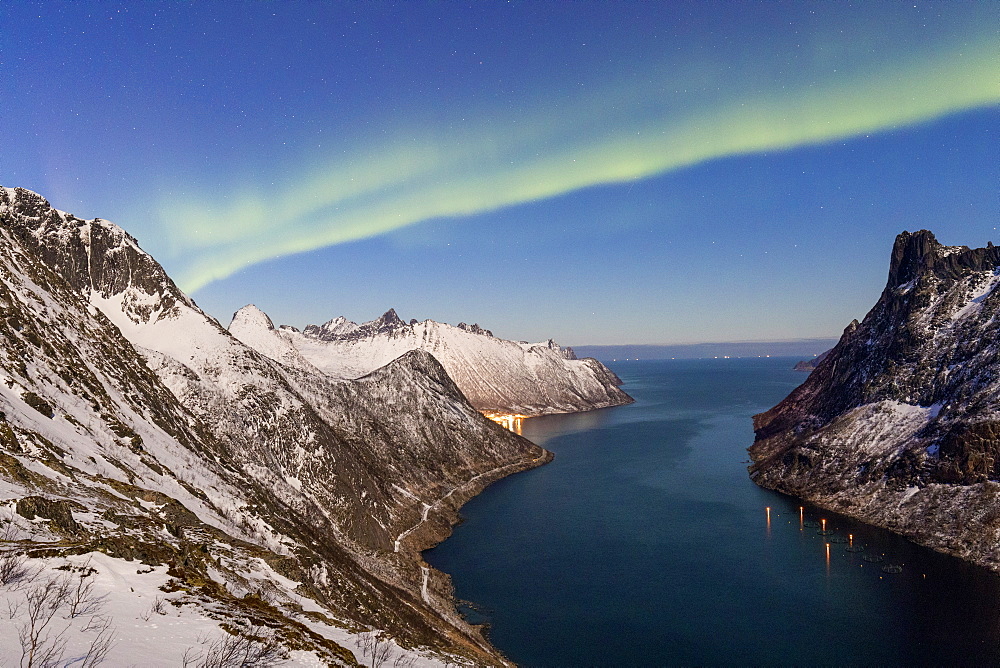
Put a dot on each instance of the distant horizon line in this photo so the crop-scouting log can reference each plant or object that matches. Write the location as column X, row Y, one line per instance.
column 801, row 348
column 707, row 343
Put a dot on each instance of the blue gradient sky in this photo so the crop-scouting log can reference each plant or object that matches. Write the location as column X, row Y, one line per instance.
column 595, row 172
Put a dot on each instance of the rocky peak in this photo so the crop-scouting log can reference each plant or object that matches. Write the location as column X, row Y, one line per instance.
column 565, row 353
column 24, row 201
column 917, row 254
column 331, row 330
column 387, row 322
column 912, row 254
column 340, row 328
column 474, row 329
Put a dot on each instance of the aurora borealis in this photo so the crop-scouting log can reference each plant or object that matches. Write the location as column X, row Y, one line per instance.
column 596, row 172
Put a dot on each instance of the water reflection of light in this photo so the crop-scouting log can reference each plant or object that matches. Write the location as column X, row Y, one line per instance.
column 768, row 509
column 545, row 427
column 511, row 421
column 802, row 518
column 828, row 560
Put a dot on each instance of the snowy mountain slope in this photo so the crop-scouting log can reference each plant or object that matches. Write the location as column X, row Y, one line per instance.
column 318, row 476
column 900, row 424
column 257, row 331
column 496, row 375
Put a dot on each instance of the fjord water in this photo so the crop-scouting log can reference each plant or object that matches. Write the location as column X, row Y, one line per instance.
column 645, row 543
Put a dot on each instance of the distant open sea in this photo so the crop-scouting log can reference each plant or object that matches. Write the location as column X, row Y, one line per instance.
column 645, row 543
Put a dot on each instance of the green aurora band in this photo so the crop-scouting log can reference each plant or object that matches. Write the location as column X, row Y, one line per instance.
column 514, row 158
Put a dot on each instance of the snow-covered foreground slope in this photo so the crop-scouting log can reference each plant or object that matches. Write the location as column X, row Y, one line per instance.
column 495, row 375
column 900, row 424
column 260, row 491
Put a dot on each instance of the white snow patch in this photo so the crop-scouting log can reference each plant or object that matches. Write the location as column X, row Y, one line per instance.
column 983, row 285
column 883, row 427
column 143, row 621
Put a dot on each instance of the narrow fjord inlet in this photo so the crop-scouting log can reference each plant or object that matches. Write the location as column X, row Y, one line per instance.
column 321, row 327
column 645, row 543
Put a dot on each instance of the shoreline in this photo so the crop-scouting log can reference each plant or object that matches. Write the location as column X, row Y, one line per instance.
column 499, row 474
column 438, row 520
column 433, row 588
column 972, row 546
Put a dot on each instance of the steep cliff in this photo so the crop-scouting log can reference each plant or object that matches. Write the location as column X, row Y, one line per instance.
column 144, row 430
column 494, row 374
column 900, row 424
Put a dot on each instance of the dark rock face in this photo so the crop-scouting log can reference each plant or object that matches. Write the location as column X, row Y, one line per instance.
column 387, row 322
column 89, row 255
column 474, row 328
column 59, row 512
column 900, row 424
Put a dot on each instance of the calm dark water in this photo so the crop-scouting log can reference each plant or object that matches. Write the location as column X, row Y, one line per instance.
column 644, row 543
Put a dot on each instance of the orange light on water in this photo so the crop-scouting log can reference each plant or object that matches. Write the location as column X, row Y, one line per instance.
column 507, row 420
column 768, row 510
column 824, row 526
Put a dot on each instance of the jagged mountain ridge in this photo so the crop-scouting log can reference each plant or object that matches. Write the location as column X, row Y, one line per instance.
column 314, row 474
column 900, row 425
column 495, row 375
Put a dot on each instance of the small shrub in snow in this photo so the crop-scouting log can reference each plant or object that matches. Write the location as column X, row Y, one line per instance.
column 14, row 568
column 257, row 648
column 377, row 646
column 46, row 600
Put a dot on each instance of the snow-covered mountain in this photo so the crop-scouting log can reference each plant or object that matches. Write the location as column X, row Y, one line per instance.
column 256, row 492
column 900, row 424
column 495, row 375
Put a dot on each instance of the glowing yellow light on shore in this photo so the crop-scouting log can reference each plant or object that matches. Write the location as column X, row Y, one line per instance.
column 850, row 539
column 510, row 421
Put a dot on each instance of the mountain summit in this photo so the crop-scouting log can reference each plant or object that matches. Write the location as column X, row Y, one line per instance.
column 900, row 424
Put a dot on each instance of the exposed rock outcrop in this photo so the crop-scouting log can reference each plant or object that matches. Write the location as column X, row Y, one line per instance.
column 900, row 425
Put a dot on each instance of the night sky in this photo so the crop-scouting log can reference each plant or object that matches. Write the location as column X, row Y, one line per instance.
column 600, row 173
